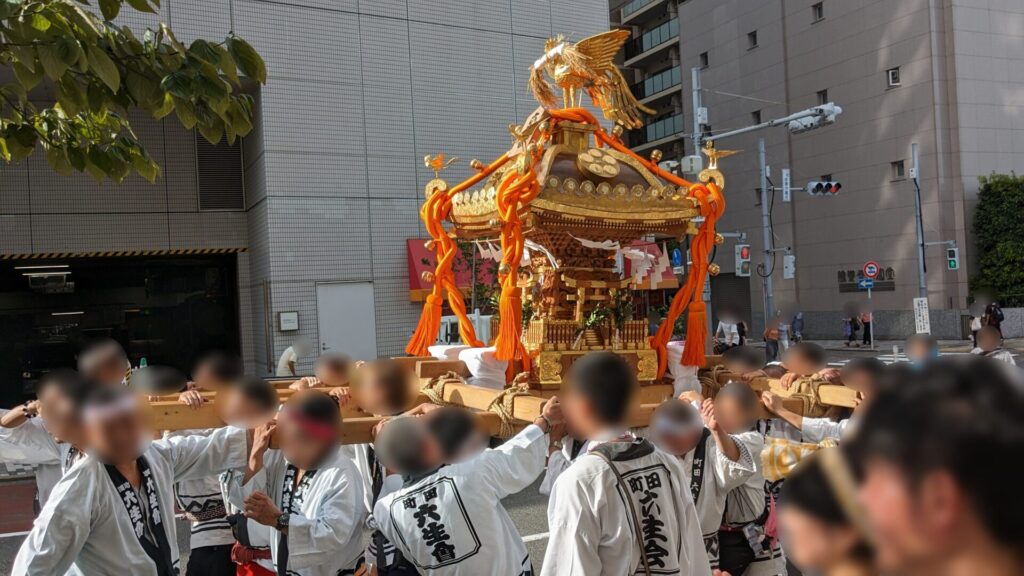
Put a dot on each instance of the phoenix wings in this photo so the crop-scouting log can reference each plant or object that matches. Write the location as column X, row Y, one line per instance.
column 588, row 64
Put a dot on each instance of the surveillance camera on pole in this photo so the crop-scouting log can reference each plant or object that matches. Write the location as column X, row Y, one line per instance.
column 820, row 116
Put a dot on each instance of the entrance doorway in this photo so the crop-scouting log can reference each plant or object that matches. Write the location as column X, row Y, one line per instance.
column 346, row 319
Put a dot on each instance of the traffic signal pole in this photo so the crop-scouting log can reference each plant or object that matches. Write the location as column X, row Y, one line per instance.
column 766, row 229
column 922, row 276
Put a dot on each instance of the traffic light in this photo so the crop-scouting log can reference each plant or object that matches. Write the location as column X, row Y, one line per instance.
column 815, row 188
column 743, row 260
column 953, row 258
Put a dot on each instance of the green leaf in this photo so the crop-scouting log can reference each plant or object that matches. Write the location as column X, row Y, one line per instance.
column 4, row 152
column 178, row 46
column 104, row 67
column 165, row 108
column 204, row 51
column 52, row 57
column 141, row 6
column 110, row 8
column 178, row 84
column 71, row 96
column 144, row 90
column 247, row 59
column 146, row 167
column 84, row 21
column 28, row 77
column 186, row 112
column 213, row 130
column 227, row 65
column 58, row 160
column 40, row 22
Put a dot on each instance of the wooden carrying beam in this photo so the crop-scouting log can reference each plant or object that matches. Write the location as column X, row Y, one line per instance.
column 828, row 394
column 356, row 430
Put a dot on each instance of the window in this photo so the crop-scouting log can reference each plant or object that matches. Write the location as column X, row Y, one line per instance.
column 751, row 40
column 704, row 60
column 755, row 117
column 892, row 76
column 818, row 12
column 899, row 170
column 822, row 97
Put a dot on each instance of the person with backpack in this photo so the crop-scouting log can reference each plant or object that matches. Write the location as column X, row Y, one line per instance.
column 994, row 316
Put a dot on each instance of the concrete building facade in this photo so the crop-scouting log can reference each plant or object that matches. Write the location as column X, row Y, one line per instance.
column 358, row 92
column 946, row 74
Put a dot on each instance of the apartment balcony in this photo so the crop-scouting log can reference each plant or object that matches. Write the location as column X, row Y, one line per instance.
column 639, row 11
column 652, row 43
column 658, row 133
column 658, row 86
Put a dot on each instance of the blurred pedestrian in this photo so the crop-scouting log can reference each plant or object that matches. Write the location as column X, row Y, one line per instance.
column 921, row 349
column 994, row 316
column 785, row 333
column 798, row 327
column 727, row 335
column 771, row 340
column 976, row 325
column 866, row 318
column 851, row 325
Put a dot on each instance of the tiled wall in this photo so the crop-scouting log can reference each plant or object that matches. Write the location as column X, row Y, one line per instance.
column 358, row 92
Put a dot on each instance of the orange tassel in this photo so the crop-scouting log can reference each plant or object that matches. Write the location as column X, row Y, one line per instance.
column 696, row 335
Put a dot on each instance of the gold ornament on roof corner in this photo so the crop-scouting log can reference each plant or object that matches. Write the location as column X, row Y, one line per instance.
column 714, row 155
column 437, row 163
column 587, row 64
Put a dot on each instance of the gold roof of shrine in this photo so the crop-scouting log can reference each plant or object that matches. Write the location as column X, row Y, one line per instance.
column 584, row 184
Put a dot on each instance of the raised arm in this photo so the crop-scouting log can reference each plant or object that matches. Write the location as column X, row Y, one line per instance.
column 773, row 402
column 29, row 443
column 517, row 463
column 194, row 457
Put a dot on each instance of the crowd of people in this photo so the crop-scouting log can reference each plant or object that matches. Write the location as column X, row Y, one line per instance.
column 917, row 479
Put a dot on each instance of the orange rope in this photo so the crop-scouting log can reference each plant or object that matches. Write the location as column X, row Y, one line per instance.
column 434, row 212
column 516, row 190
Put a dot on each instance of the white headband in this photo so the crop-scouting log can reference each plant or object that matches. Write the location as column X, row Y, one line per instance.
column 126, row 404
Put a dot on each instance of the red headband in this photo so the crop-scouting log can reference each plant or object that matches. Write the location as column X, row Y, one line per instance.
column 318, row 430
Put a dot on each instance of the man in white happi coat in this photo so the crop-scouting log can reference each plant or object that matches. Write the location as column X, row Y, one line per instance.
column 46, row 431
column 716, row 462
column 447, row 519
column 306, row 490
column 113, row 512
column 624, row 507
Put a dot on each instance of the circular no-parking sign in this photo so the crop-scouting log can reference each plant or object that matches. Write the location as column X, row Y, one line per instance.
column 871, row 269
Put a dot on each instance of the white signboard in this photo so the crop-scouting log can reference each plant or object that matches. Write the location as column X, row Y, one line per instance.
column 787, row 189
column 922, row 322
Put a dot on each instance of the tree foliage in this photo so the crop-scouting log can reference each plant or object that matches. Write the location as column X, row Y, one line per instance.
column 999, row 234
column 76, row 76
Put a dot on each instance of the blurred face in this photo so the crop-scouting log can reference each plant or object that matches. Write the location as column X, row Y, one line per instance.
column 813, row 544
column 373, row 394
column 677, row 444
column 59, row 414
column 988, row 341
column 300, row 445
column 919, row 352
column 579, row 416
column 109, row 368
column 731, row 415
column 900, row 522
column 332, row 374
column 798, row 364
column 206, row 379
column 238, row 410
column 116, row 439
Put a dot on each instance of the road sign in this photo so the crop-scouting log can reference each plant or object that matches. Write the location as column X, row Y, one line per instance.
column 871, row 269
column 866, row 283
column 922, row 322
column 788, row 267
column 787, row 189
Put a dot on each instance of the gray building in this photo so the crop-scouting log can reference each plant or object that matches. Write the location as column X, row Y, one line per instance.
column 948, row 75
column 299, row 233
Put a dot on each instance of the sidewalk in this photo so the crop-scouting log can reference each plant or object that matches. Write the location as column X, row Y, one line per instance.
column 885, row 346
